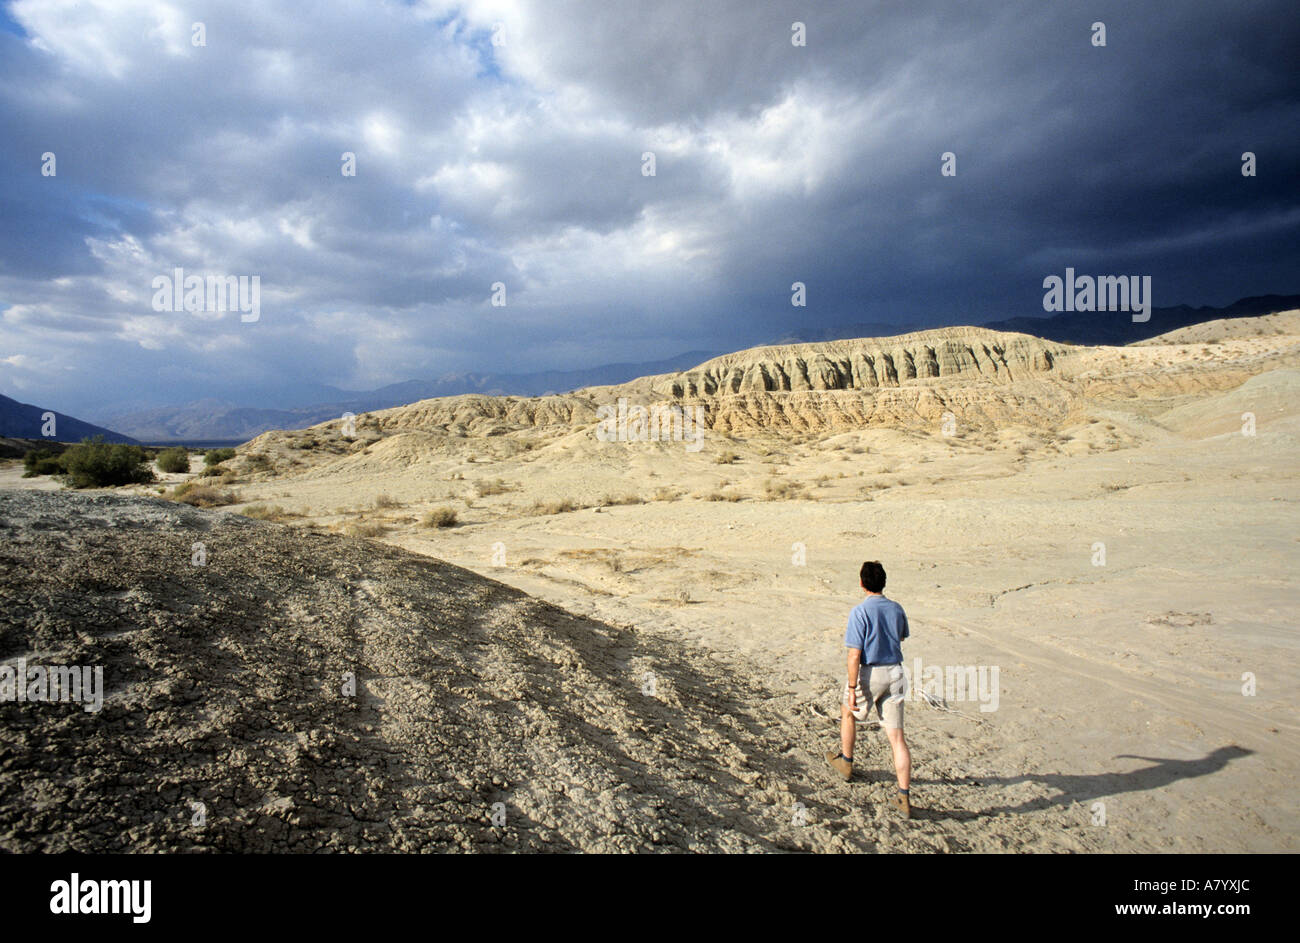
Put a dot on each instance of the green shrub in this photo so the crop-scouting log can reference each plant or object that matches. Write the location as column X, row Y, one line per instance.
column 217, row 456
column 174, row 459
column 94, row 463
column 42, row 462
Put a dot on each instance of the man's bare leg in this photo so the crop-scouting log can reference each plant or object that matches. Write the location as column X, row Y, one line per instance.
column 848, row 731
column 842, row 762
column 902, row 756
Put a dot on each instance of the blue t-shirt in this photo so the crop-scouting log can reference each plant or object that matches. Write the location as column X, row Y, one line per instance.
column 877, row 626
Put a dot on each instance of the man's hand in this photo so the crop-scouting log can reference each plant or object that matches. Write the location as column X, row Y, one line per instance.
column 853, row 701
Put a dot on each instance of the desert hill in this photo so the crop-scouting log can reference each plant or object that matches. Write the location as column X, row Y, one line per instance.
column 985, row 379
column 871, row 362
column 276, row 408
column 224, row 687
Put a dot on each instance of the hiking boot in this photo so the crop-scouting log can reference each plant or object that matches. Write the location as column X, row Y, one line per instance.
column 840, row 765
column 903, row 804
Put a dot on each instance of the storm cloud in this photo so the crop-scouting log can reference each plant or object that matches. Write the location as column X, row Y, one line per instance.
column 503, row 142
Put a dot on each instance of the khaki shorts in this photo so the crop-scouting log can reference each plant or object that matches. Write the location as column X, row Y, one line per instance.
column 887, row 685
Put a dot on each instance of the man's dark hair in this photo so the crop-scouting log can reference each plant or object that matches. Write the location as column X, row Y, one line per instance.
column 873, row 576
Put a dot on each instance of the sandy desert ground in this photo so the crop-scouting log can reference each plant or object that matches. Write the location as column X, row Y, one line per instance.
column 1103, row 526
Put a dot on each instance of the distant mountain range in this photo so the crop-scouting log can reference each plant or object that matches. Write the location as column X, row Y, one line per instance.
column 216, row 420
column 1084, row 327
column 210, row 419
column 25, row 421
column 1073, row 327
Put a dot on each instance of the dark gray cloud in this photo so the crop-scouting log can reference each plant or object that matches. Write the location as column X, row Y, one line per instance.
column 520, row 162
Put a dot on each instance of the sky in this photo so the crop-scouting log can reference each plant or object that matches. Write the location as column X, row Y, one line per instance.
column 504, row 143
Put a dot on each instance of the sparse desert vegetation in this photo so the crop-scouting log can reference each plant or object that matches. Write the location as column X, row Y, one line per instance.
column 201, row 495
column 780, row 488
column 547, row 508
column 616, row 500
column 721, row 495
column 270, row 512
column 493, row 486
column 258, row 462
column 366, row 529
column 439, row 517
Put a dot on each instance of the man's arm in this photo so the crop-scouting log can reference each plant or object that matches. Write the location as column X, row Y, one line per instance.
column 854, row 660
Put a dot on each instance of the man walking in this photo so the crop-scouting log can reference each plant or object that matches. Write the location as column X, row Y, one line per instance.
column 877, row 627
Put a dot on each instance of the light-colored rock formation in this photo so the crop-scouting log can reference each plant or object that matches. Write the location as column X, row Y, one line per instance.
column 871, row 363
column 985, row 379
